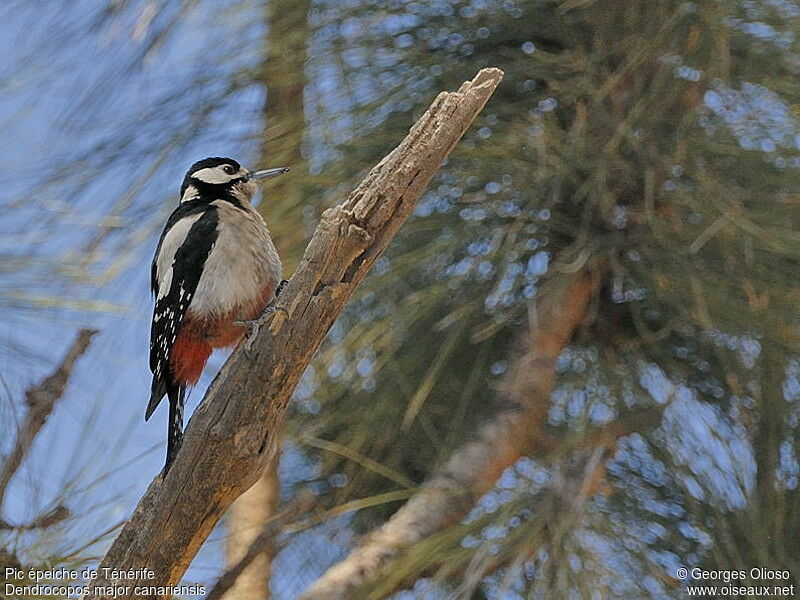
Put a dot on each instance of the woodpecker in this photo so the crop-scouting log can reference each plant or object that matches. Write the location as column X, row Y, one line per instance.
column 214, row 274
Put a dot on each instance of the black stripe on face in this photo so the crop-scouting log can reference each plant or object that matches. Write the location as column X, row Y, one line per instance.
column 208, row 192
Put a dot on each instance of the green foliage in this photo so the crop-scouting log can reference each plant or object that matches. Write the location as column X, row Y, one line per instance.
column 658, row 140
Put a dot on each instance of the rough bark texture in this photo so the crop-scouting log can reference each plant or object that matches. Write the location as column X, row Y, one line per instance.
column 234, row 432
column 40, row 400
column 471, row 471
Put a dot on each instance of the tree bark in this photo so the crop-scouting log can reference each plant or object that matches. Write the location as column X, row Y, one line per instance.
column 471, row 471
column 235, row 431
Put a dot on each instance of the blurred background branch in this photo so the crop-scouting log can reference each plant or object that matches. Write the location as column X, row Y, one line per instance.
column 40, row 401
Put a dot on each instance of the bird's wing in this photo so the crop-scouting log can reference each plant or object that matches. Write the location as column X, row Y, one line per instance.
column 185, row 244
column 187, row 210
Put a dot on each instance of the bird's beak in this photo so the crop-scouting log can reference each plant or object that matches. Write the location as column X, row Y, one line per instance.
column 268, row 173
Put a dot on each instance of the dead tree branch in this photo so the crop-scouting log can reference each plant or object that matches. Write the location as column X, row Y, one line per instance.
column 234, row 432
column 41, row 399
column 472, row 470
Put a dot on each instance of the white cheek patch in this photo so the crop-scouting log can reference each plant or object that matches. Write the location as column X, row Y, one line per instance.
column 214, row 175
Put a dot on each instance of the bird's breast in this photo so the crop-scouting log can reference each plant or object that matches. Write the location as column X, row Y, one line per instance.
column 243, row 269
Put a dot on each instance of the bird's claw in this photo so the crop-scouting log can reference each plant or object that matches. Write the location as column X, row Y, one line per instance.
column 254, row 325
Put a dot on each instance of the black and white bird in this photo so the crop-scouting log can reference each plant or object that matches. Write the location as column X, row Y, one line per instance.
column 215, row 272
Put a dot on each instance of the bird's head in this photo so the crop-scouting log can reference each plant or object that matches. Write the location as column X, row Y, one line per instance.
column 216, row 177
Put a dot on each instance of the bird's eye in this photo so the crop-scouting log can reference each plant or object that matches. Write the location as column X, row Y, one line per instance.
column 229, row 169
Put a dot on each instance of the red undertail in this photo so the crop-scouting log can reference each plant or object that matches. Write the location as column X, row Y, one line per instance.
column 188, row 357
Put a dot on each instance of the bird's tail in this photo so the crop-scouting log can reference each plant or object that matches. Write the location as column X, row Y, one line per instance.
column 157, row 391
column 177, row 396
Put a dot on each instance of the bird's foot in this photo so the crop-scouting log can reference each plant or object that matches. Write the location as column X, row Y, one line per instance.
column 254, row 325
